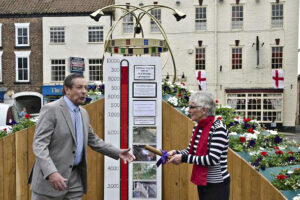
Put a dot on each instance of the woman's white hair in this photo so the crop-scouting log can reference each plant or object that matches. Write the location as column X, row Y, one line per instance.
column 205, row 100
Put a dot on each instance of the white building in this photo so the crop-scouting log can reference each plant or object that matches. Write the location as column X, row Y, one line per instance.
column 220, row 37
column 79, row 37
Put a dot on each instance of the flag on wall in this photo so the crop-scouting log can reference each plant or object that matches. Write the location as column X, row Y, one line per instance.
column 278, row 79
column 201, row 78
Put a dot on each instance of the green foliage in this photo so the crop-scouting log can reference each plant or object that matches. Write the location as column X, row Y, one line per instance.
column 287, row 180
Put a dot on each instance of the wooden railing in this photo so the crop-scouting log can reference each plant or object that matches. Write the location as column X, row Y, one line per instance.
column 16, row 160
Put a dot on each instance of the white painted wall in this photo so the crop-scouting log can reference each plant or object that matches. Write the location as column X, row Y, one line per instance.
column 76, row 42
column 218, row 42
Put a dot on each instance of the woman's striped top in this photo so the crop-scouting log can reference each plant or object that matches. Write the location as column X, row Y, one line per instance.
column 216, row 160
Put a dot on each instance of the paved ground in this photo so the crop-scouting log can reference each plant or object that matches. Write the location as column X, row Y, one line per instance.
column 295, row 136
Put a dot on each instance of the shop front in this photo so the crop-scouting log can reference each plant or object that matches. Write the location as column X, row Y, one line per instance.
column 51, row 93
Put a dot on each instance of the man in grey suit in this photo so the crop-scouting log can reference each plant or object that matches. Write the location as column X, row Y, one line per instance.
column 61, row 137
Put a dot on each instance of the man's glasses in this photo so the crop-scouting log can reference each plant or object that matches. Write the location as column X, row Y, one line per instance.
column 191, row 107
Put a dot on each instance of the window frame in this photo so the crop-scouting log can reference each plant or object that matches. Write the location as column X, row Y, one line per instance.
column 1, row 78
column 241, row 64
column 95, row 31
column 94, row 65
column 154, row 12
column 0, row 35
column 126, row 24
column 56, row 31
column 199, row 20
column 264, row 96
column 22, row 54
column 22, row 26
column 58, row 65
column 272, row 20
column 196, row 65
column 282, row 57
column 239, row 17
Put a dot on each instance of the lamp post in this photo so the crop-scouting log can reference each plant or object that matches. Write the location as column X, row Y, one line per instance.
column 130, row 9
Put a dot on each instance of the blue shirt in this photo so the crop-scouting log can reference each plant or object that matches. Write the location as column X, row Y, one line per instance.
column 78, row 127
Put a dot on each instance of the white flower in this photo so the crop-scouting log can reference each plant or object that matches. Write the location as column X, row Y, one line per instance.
column 250, row 136
column 262, row 149
column 256, row 132
column 232, row 133
column 290, row 172
column 296, row 197
column 273, row 132
column 185, row 110
column 173, row 101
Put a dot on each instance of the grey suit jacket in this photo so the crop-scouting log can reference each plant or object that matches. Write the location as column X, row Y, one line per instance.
column 54, row 146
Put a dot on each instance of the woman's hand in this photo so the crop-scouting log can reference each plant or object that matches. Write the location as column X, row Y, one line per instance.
column 172, row 153
column 176, row 159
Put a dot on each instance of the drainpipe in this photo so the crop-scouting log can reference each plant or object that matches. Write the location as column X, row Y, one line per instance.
column 216, row 51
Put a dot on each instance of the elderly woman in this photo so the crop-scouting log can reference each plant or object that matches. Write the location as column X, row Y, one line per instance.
column 207, row 150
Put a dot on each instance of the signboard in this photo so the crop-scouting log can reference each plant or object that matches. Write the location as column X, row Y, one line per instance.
column 144, row 90
column 77, row 65
column 144, row 72
column 132, row 82
column 112, row 126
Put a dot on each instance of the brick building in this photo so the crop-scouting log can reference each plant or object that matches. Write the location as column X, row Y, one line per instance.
column 21, row 46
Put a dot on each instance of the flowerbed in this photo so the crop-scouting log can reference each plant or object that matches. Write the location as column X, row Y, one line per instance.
column 265, row 148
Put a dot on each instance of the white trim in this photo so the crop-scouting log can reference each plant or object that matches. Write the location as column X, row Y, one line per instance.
column 1, row 66
column 0, row 35
column 21, row 25
column 22, row 54
column 19, row 94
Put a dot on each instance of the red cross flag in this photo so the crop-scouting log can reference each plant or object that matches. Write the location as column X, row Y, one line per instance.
column 201, row 78
column 277, row 76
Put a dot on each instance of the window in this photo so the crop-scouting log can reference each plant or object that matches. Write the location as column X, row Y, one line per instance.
column 200, row 19
column 277, row 57
column 58, row 69
column 22, row 66
column 237, row 17
column 277, row 15
column 0, row 35
column 200, row 58
column 236, row 58
column 57, row 34
column 95, row 34
column 157, row 14
column 22, row 34
column 1, row 66
column 264, row 107
column 128, row 24
column 95, row 70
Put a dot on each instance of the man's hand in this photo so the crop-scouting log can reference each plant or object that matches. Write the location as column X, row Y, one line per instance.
column 57, row 181
column 126, row 156
column 176, row 159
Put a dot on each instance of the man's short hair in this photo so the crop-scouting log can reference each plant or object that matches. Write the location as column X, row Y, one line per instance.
column 68, row 82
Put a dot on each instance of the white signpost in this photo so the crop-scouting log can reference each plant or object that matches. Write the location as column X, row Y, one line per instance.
column 144, row 126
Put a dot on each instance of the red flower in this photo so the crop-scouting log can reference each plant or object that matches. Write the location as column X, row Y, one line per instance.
column 182, row 83
column 237, row 117
column 281, row 177
column 242, row 139
column 219, row 118
column 279, row 152
column 291, row 152
column 27, row 116
column 247, row 119
column 5, row 129
column 264, row 153
column 250, row 130
column 217, row 101
column 276, row 148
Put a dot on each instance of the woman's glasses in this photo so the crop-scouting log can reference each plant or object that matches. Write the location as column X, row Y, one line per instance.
column 191, row 107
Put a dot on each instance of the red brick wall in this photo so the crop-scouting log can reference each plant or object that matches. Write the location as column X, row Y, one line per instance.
column 35, row 58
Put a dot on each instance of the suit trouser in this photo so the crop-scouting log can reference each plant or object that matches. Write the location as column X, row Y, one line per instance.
column 74, row 190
